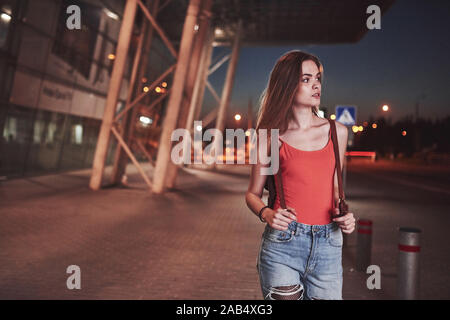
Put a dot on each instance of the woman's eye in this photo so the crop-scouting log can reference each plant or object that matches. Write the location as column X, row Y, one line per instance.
column 305, row 80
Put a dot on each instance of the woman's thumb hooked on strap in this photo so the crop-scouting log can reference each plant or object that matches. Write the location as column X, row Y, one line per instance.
column 293, row 213
column 290, row 209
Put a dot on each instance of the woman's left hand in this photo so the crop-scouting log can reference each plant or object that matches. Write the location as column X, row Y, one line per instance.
column 346, row 223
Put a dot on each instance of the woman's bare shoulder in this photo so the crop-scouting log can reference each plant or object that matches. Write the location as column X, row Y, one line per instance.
column 341, row 130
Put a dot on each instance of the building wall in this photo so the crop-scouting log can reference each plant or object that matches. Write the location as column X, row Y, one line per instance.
column 55, row 85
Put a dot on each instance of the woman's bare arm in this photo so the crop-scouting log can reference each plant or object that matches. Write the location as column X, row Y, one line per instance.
column 276, row 219
column 347, row 222
column 255, row 189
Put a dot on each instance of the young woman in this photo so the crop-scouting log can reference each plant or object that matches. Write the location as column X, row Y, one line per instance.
column 300, row 256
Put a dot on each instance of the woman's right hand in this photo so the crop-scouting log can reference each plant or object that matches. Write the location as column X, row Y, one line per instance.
column 279, row 219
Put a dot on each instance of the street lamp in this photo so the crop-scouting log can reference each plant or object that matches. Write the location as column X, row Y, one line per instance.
column 385, row 108
column 237, row 117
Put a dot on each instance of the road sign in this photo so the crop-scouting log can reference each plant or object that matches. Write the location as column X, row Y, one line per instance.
column 346, row 115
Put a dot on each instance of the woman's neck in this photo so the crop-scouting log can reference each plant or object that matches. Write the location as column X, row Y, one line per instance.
column 303, row 118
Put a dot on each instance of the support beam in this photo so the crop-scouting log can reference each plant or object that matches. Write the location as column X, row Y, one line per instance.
column 135, row 88
column 145, row 152
column 143, row 94
column 113, row 93
column 173, row 106
column 199, row 81
column 203, row 27
column 226, row 92
column 132, row 157
column 219, row 64
column 213, row 92
column 158, row 29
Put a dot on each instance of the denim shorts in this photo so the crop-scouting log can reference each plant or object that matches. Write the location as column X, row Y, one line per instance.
column 308, row 257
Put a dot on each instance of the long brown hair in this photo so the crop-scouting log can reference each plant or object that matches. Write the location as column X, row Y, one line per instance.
column 276, row 100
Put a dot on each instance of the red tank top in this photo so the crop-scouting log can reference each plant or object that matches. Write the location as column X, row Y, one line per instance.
column 308, row 182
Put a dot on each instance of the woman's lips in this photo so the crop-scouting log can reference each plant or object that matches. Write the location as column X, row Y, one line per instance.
column 317, row 96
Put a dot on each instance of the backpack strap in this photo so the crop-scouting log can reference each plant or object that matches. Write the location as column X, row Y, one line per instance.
column 342, row 205
column 280, row 189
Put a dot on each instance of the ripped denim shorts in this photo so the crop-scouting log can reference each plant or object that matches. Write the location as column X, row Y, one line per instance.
column 303, row 262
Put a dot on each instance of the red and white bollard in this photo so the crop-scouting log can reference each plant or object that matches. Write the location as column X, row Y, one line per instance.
column 408, row 263
column 363, row 244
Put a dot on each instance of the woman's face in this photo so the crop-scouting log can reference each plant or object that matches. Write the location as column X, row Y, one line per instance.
column 308, row 93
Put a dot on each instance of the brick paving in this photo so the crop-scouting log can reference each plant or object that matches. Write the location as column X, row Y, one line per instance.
column 198, row 241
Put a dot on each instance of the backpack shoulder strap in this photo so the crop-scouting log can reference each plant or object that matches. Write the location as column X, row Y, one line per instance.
column 336, row 155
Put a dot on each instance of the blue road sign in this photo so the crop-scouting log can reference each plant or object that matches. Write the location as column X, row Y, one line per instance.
column 346, row 115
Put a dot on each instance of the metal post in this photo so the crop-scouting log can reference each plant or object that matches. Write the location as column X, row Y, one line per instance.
column 363, row 244
column 204, row 17
column 408, row 263
column 113, row 93
column 204, row 76
column 226, row 92
column 173, row 105
column 136, row 86
column 119, row 159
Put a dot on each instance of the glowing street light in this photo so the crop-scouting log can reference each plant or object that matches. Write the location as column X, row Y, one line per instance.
column 374, row 125
column 385, row 107
column 333, row 117
column 355, row 129
column 218, row 32
column 237, row 117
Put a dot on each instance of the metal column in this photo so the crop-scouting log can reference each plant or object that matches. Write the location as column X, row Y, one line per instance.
column 200, row 82
column 113, row 93
column 175, row 98
column 193, row 71
column 226, row 92
column 203, row 78
column 136, row 86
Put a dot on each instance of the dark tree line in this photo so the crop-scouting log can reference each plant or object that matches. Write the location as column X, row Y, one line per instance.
column 421, row 137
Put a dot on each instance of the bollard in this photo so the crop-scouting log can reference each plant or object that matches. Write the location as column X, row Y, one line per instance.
column 363, row 244
column 408, row 263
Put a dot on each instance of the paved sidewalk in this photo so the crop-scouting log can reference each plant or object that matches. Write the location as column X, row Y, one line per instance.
column 198, row 241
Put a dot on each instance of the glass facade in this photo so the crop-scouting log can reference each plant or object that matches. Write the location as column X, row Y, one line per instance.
column 54, row 83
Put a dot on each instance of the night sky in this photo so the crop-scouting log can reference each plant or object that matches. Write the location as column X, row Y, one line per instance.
column 404, row 62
